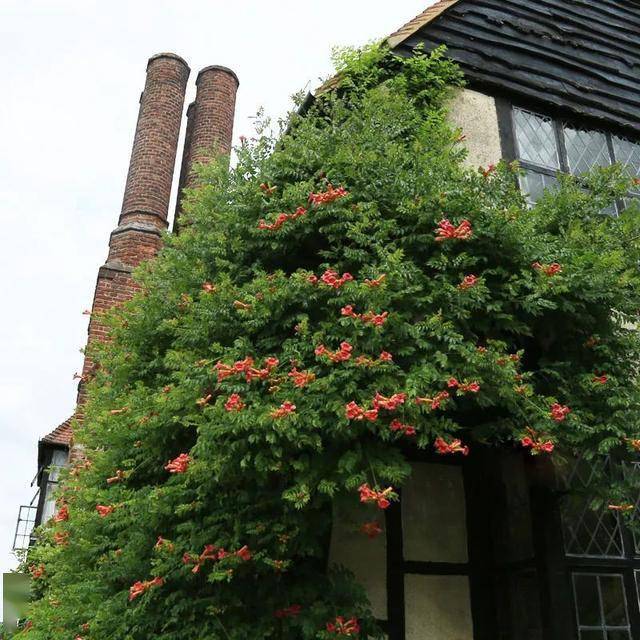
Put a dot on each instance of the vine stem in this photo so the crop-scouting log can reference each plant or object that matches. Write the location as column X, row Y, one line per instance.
column 226, row 633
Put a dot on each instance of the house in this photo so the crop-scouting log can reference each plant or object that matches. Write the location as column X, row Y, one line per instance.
column 485, row 547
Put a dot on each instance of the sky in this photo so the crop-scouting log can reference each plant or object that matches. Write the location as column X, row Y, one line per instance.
column 72, row 72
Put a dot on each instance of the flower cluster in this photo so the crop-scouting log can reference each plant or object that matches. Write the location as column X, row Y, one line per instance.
column 330, row 278
column 549, row 269
column 61, row 538
column 447, row 231
column 325, row 197
column 267, row 189
column 559, row 412
column 376, row 282
column 301, row 378
column 215, row 554
column 448, row 448
column 391, row 403
column 210, row 552
column 62, row 515
column 36, row 571
column 376, row 319
column 381, row 498
column 138, row 588
column 468, row 282
column 406, row 429
column 535, row 443
column 281, row 218
column 161, row 543
column 234, row 403
column 104, row 510
column 341, row 355
column 435, row 402
column 366, row 361
column 600, row 379
column 246, row 367
column 286, row 409
column 355, row 412
column 179, row 464
column 343, row 627
column 467, row 387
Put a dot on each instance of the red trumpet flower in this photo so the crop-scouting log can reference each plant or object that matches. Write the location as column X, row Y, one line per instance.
column 234, row 403
column 449, row 448
column 179, row 464
column 138, row 588
column 447, row 231
column 381, row 498
column 325, row 197
column 342, row 627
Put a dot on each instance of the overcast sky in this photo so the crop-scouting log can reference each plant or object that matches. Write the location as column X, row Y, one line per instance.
column 72, row 72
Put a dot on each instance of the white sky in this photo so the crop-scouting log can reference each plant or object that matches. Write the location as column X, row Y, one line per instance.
column 72, row 72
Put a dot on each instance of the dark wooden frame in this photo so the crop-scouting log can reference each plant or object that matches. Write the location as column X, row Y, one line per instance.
column 43, row 478
column 509, row 147
column 479, row 567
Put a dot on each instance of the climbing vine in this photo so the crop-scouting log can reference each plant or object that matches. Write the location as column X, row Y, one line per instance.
column 349, row 289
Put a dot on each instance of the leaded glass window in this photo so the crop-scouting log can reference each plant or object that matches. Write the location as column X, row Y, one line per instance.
column 545, row 146
column 536, row 139
column 588, row 532
column 601, row 606
column 585, row 150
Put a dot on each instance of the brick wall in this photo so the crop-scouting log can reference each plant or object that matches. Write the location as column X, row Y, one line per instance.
column 210, row 121
column 147, row 192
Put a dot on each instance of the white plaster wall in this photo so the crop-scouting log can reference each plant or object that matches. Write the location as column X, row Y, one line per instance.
column 437, row 608
column 434, row 514
column 365, row 557
column 475, row 113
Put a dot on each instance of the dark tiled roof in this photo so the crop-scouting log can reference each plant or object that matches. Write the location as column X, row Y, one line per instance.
column 61, row 435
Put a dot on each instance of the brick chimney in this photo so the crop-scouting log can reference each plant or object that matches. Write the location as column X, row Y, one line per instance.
column 147, row 192
column 209, row 122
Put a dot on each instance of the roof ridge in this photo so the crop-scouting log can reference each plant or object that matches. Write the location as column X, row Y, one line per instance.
column 429, row 14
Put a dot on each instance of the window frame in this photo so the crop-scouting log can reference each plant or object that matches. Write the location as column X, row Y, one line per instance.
column 559, row 119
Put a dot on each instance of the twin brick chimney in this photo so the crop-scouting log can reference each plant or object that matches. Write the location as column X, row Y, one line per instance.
column 147, row 193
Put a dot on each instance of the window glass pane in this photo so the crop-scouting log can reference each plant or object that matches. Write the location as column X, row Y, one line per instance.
column 613, row 601
column 628, row 154
column 587, row 600
column 586, row 149
column 592, row 635
column 58, row 460
column 619, row 634
column 631, row 200
column 588, row 532
column 533, row 184
column 536, row 139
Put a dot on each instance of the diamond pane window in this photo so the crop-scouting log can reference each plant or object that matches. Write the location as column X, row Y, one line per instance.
column 586, row 150
column 628, row 154
column 533, row 185
column 601, row 606
column 588, row 532
column 536, row 139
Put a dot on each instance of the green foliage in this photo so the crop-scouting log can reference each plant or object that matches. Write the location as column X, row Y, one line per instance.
column 225, row 289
